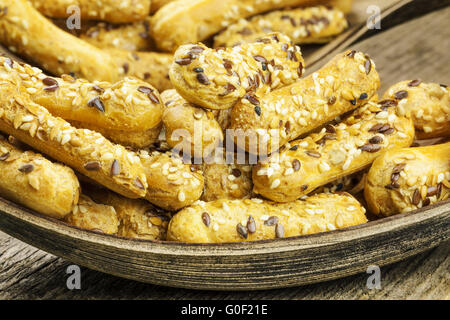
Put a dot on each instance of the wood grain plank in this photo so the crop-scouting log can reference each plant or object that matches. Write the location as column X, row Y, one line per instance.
column 424, row 276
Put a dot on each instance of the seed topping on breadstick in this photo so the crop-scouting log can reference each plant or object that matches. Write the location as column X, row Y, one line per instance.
column 216, row 79
column 319, row 158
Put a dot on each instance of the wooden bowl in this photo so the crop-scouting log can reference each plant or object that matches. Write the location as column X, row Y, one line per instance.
column 236, row 266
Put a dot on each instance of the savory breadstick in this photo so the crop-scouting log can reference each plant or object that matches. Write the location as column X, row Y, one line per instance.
column 115, row 11
column 256, row 219
column 129, row 104
column 37, row 183
column 86, row 151
column 429, row 104
column 189, row 128
column 27, row 32
column 180, row 22
column 151, row 67
column 59, row 52
column 405, row 179
column 217, row 79
column 131, row 37
column 138, row 218
column 303, row 25
column 335, row 152
column 93, row 216
column 172, row 184
column 348, row 81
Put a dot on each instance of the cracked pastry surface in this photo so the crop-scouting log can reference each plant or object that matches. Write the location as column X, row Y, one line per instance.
column 227, row 180
column 138, row 219
column 428, row 103
column 90, row 215
column 303, row 25
column 256, row 219
column 30, row 179
column 334, row 152
column 406, row 179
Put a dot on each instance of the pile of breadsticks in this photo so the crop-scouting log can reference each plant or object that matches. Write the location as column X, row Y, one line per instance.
column 193, row 121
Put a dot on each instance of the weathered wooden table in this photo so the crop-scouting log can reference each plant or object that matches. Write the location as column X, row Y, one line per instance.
column 29, row 273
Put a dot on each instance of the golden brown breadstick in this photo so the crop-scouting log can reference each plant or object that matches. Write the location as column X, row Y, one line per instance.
column 27, row 32
column 180, row 22
column 37, row 183
column 348, row 81
column 138, row 218
column 123, row 112
column 405, row 179
column 152, row 67
column 303, row 25
column 93, row 216
column 115, row 11
column 429, row 104
column 172, row 184
column 217, row 79
column 335, row 152
column 256, row 219
column 191, row 129
column 86, row 151
column 131, row 37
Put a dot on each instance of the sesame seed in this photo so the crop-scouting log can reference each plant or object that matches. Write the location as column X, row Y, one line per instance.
column 275, row 184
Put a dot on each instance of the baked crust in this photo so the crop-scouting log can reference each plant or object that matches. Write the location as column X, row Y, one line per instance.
column 346, row 82
column 334, row 152
column 93, row 216
column 180, row 22
column 428, row 103
column 303, row 25
column 132, row 37
column 172, row 183
column 151, row 67
column 406, row 179
column 115, row 11
column 84, row 150
column 229, row 220
column 227, row 181
column 59, row 52
column 37, row 183
column 189, row 128
column 139, row 219
column 217, row 79
column 127, row 105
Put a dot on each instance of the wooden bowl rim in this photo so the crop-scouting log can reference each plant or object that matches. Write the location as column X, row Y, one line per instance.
column 379, row 226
